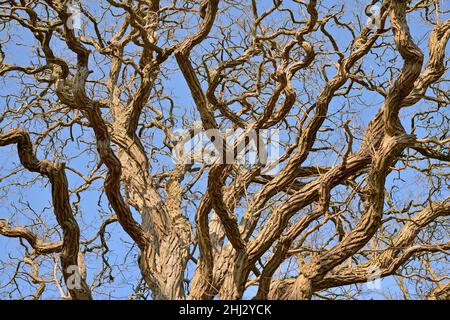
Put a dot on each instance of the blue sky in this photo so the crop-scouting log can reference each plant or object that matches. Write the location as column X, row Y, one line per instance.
column 33, row 201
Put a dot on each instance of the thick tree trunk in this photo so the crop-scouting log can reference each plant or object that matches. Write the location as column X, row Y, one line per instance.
column 164, row 261
column 233, row 285
column 302, row 289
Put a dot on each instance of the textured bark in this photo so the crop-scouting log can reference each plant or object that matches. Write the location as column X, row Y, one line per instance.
column 69, row 249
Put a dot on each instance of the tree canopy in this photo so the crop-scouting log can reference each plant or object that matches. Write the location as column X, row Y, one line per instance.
column 281, row 149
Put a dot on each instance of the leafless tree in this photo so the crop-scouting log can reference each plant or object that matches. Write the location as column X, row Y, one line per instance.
column 94, row 93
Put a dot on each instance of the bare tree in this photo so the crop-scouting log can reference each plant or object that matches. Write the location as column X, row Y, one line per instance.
column 94, row 95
